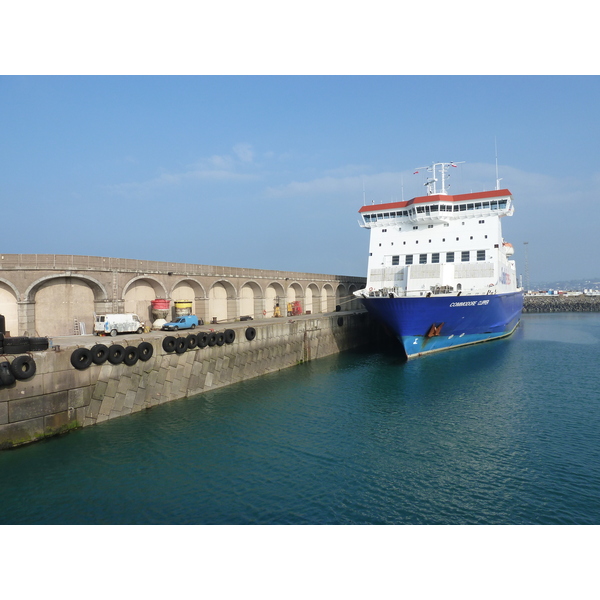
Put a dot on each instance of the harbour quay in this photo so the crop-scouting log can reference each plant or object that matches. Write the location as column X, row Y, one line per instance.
column 55, row 377
column 561, row 303
column 76, row 384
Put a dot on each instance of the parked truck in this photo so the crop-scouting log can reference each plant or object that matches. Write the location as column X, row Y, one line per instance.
column 185, row 322
column 117, row 323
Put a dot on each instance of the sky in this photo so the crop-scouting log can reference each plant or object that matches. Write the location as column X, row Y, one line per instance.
column 268, row 171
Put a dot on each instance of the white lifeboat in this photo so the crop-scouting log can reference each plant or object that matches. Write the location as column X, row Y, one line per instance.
column 508, row 248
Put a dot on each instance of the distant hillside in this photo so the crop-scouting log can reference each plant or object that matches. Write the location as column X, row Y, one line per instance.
column 571, row 284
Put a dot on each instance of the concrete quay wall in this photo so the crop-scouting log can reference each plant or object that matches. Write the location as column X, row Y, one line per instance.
column 59, row 397
column 543, row 304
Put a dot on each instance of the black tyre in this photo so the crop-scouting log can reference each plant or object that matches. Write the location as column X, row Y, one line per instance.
column 113, row 333
column 99, row 354
column 168, row 344
column 202, row 339
column 37, row 344
column 250, row 333
column 145, row 350
column 131, row 356
column 23, row 367
column 229, row 336
column 180, row 345
column 212, row 339
column 116, row 354
column 340, row 321
column 192, row 341
column 6, row 376
column 81, row 358
column 220, row 338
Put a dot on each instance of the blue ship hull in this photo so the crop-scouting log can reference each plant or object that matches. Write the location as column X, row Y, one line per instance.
column 426, row 325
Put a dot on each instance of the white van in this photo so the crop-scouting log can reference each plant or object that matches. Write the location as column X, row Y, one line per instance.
column 113, row 324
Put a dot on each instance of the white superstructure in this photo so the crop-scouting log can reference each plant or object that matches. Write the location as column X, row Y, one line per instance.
column 440, row 244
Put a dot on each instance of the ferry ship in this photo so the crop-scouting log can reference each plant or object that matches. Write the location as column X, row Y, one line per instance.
column 440, row 274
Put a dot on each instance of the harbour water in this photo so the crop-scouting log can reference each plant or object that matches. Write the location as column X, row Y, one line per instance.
column 506, row 432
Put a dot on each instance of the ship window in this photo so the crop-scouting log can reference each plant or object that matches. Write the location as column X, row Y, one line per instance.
column 443, row 239
column 456, row 208
column 392, row 215
column 463, row 207
column 379, row 216
column 486, row 205
column 429, row 226
column 427, row 210
column 395, row 260
column 503, row 203
column 422, row 259
column 477, row 205
column 384, row 231
column 434, row 208
column 471, row 238
column 386, row 215
column 420, row 209
column 415, row 227
column 464, row 256
column 480, row 254
column 449, row 257
column 408, row 259
column 443, row 207
column 469, row 207
column 481, row 222
column 435, row 257
column 405, row 213
column 494, row 205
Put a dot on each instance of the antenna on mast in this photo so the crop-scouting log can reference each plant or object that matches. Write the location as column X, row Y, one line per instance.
column 430, row 183
column 498, row 179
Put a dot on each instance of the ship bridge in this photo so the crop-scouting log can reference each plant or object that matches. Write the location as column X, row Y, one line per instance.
column 438, row 208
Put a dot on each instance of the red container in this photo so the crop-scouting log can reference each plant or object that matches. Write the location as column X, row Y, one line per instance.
column 160, row 304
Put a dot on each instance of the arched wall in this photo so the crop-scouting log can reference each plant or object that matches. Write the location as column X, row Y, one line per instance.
column 138, row 294
column 222, row 301
column 274, row 294
column 9, row 307
column 60, row 301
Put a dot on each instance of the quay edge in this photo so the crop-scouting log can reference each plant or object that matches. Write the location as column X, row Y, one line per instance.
column 60, row 398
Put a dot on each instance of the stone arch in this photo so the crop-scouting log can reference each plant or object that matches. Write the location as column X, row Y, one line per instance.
column 341, row 297
column 9, row 308
column 138, row 293
column 100, row 293
column 222, row 301
column 192, row 290
column 327, row 298
column 295, row 293
column 251, row 299
column 312, row 301
column 60, row 300
column 274, row 294
column 355, row 304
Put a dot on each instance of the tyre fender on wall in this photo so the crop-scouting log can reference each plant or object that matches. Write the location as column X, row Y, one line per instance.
column 6, row 376
column 99, row 354
column 116, row 354
column 168, row 344
column 81, row 358
column 131, row 356
column 250, row 333
column 23, row 367
column 145, row 350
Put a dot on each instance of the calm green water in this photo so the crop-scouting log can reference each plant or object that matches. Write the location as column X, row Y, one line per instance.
column 502, row 433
